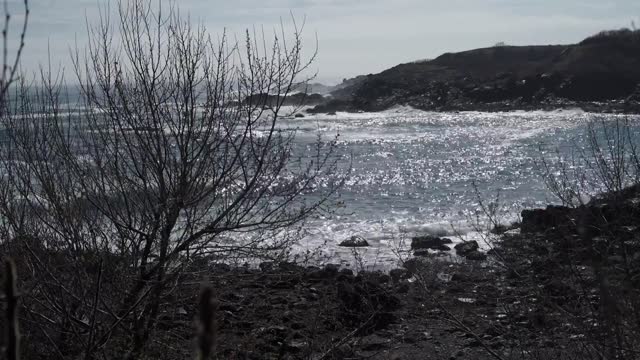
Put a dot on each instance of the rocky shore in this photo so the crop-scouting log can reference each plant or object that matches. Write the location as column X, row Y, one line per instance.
column 599, row 74
column 559, row 285
column 539, row 292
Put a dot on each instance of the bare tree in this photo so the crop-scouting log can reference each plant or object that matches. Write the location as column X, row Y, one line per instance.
column 169, row 157
column 10, row 63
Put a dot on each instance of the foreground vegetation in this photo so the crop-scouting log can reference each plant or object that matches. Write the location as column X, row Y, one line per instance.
column 124, row 225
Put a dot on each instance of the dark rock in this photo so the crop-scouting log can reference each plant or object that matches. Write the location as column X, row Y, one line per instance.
column 499, row 229
column 321, row 274
column 346, row 272
column 460, row 277
column 422, row 253
column 398, row 274
column 355, row 241
column 289, row 266
column 466, row 247
column 299, row 115
column 476, row 255
column 430, row 242
column 331, row 269
column 266, row 266
column 541, row 220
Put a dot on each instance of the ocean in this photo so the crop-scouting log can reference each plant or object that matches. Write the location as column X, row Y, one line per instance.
column 422, row 173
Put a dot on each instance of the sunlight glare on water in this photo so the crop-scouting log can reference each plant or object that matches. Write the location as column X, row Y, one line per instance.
column 413, row 172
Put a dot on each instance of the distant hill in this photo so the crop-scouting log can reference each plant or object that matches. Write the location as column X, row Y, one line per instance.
column 314, row 88
column 601, row 68
column 318, row 88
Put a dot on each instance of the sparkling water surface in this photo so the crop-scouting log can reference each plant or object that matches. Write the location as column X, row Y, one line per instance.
column 413, row 172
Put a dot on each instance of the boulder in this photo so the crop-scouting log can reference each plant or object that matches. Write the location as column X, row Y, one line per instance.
column 354, row 241
column 540, row 220
column 466, row 247
column 331, row 269
column 421, row 253
column 430, row 242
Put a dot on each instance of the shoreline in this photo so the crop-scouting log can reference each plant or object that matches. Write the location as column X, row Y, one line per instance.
column 505, row 302
column 613, row 108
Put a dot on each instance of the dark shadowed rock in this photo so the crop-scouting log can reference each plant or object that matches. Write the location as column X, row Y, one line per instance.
column 346, row 272
column 331, row 269
column 422, row 253
column 266, row 266
column 355, row 241
column 476, row 255
column 466, row 247
column 430, row 242
column 540, row 220
column 398, row 274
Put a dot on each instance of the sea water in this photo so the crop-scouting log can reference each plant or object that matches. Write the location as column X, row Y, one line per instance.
column 423, row 173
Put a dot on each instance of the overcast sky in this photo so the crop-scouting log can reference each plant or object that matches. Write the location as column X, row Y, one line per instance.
column 359, row 36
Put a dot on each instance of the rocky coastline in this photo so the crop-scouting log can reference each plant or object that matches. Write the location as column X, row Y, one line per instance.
column 599, row 74
column 516, row 298
column 534, row 291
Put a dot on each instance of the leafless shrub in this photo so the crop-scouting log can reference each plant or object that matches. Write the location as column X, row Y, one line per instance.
column 608, row 163
column 168, row 159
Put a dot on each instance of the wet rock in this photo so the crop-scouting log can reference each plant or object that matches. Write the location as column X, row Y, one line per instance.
column 430, row 242
column 355, row 241
column 466, row 247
